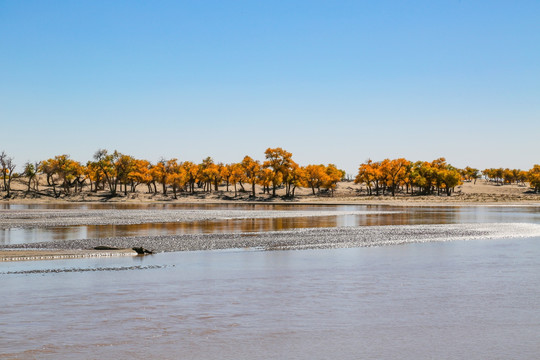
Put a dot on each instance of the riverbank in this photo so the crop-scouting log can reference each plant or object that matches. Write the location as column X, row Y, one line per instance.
column 49, row 254
column 485, row 193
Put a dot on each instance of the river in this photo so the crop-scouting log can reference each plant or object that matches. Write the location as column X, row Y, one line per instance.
column 472, row 299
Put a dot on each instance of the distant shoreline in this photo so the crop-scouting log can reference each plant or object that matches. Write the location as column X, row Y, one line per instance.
column 318, row 202
column 346, row 193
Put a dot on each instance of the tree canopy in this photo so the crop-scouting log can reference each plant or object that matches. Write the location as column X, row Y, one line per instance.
column 116, row 172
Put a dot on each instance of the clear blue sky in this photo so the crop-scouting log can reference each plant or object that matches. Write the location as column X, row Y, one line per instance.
column 330, row 81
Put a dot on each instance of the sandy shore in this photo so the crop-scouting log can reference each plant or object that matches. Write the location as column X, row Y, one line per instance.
column 346, row 193
column 48, row 254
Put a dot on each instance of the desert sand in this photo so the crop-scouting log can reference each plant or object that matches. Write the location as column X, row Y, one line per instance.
column 481, row 192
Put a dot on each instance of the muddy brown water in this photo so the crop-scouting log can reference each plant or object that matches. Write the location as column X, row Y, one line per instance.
column 473, row 299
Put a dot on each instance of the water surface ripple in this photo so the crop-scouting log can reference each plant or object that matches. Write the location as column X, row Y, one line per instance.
column 340, row 237
column 348, row 298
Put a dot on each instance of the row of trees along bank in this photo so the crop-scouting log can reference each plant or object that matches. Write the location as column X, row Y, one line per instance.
column 423, row 177
column 116, row 172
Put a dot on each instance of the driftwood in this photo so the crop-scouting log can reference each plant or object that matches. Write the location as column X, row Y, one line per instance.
column 138, row 250
column 142, row 251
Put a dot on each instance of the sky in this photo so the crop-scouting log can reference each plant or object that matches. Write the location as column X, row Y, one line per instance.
column 330, row 81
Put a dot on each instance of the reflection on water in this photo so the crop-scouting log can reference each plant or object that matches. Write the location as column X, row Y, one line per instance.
column 397, row 216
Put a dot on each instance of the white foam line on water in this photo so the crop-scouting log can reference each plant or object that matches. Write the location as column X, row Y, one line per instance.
column 403, row 234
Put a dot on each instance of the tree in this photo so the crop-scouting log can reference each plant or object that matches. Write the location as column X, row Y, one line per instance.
column 218, row 175
column 211, row 175
column 279, row 161
column 296, row 177
column 30, row 172
column 471, row 174
column 177, row 176
column 160, row 173
column 123, row 165
column 265, row 179
column 533, row 176
column 437, row 165
column 365, row 176
column 68, row 171
column 291, row 178
column 237, row 175
column 155, row 172
column 252, row 170
column 92, row 171
column 423, row 175
column 315, row 177
column 192, row 171
column 46, row 167
column 208, row 174
column 225, row 174
column 140, row 174
column 494, row 175
column 522, row 176
column 334, row 175
column 450, row 178
column 8, row 171
column 508, row 176
column 395, row 171
column 371, row 174
column 105, row 163
column 49, row 167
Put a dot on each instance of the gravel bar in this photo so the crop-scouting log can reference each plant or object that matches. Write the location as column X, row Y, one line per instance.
column 59, row 218
column 342, row 237
column 24, row 255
